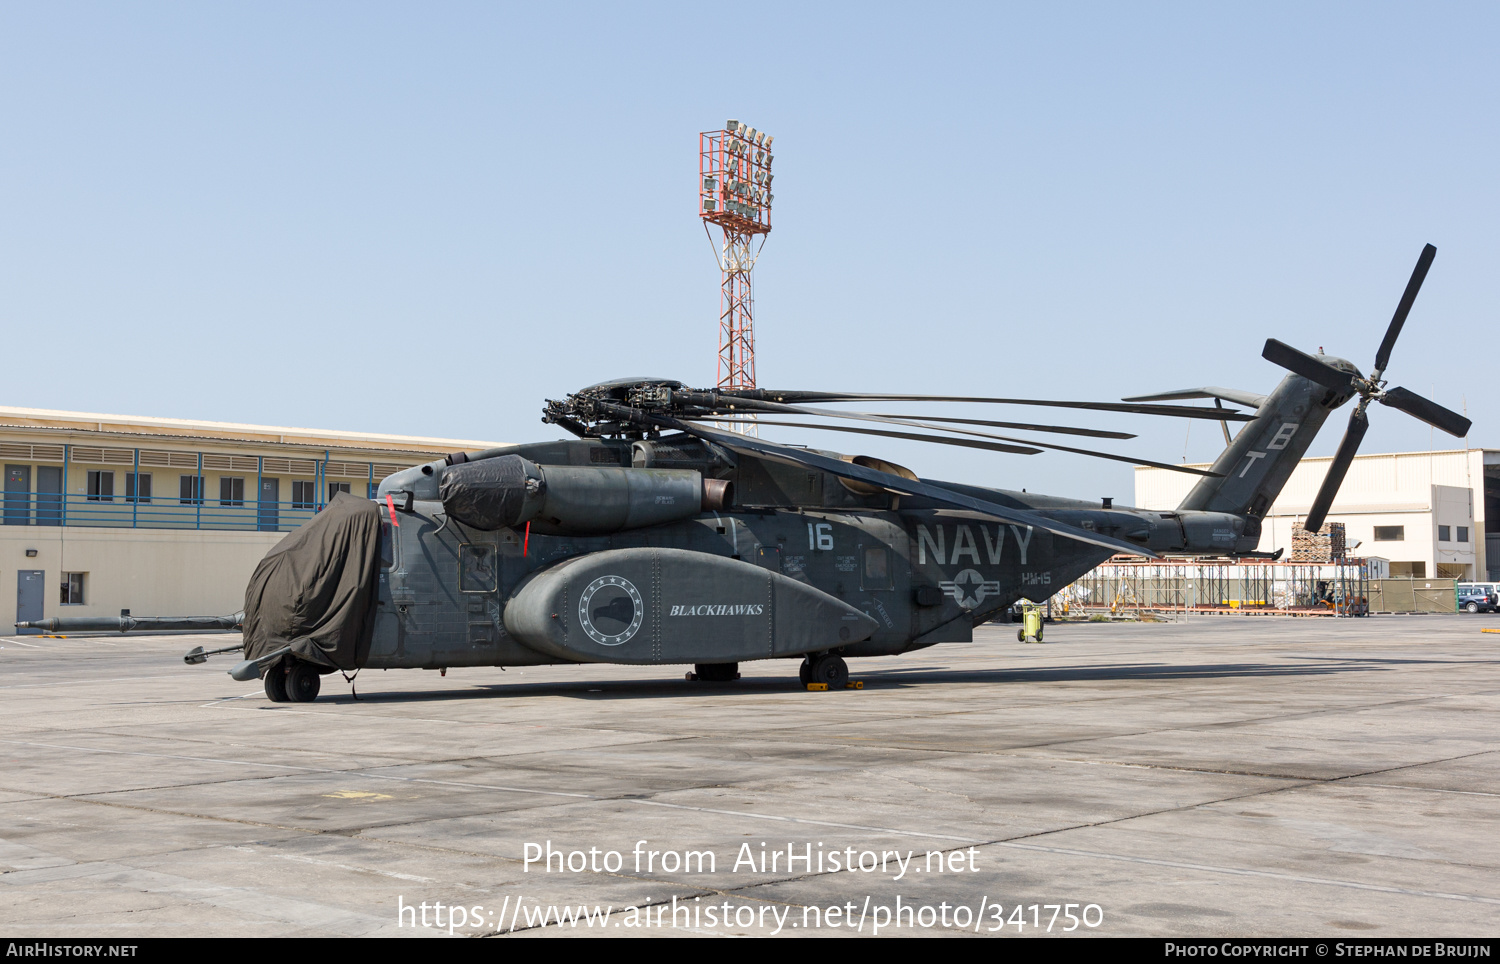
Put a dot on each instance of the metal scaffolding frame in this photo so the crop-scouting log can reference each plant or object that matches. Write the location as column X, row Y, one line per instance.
column 1178, row 588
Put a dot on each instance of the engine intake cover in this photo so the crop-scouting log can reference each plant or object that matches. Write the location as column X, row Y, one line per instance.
column 649, row 605
column 568, row 499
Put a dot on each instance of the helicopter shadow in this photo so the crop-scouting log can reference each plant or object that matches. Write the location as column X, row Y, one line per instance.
column 895, row 678
column 1111, row 672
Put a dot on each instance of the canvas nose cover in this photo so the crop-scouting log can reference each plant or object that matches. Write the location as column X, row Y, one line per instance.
column 648, row 605
column 315, row 591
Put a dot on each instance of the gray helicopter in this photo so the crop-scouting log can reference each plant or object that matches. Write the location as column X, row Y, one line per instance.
column 660, row 535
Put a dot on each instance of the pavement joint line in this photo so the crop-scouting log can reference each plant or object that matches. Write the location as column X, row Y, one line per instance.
column 422, row 719
column 103, row 679
column 481, row 786
column 174, row 756
column 1243, row 872
column 375, row 700
column 304, row 859
column 1294, row 782
column 798, row 820
column 1247, row 721
column 228, row 699
column 244, row 900
column 343, row 755
column 1297, row 785
column 1298, row 779
column 95, row 800
column 1397, row 786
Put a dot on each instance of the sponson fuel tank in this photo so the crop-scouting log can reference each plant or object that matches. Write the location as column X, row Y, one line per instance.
column 509, row 491
column 648, row 605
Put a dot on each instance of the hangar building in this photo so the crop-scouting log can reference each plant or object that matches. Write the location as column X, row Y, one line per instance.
column 165, row 516
column 1432, row 514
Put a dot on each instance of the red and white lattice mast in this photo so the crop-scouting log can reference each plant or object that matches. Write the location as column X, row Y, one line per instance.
column 734, row 174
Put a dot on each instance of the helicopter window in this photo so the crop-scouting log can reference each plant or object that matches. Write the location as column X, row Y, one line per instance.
column 877, row 571
column 476, row 568
column 387, row 546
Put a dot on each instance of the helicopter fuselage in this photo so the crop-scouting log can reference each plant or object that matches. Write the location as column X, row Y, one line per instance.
column 919, row 574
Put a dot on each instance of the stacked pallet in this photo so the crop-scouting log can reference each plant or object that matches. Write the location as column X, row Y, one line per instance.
column 1328, row 544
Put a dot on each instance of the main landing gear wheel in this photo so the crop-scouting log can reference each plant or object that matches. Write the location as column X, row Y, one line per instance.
column 832, row 670
column 717, row 672
column 805, row 671
column 276, row 684
column 302, row 682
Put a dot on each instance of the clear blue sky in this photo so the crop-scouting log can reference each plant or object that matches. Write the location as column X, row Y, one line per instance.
column 428, row 218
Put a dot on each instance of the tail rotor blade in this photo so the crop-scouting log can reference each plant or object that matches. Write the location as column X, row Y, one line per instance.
column 1428, row 411
column 1280, row 353
column 1418, row 275
column 1337, row 469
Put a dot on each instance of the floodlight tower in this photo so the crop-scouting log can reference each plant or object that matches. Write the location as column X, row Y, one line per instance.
column 734, row 173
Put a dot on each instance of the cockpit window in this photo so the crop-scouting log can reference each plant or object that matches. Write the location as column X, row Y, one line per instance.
column 387, row 546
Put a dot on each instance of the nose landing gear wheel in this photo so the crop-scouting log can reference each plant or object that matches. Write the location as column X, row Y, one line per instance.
column 832, row 670
column 276, row 684
column 302, row 683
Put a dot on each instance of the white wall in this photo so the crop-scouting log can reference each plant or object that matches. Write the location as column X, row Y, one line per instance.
column 1416, row 490
column 151, row 572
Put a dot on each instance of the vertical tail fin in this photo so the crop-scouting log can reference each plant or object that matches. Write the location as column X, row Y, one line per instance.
column 1260, row 459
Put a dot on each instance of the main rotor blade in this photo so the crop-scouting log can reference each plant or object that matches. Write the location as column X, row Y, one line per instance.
column 1023, row 426
column 1418, row 275
column 1428, row 411
column 794, row 397
column 1248, row 399
column 1337, row 469
column 736, row 403
column 940, row 440
column 790, row 456
column 965, row 442
column 1280, row 353
column 760, row 405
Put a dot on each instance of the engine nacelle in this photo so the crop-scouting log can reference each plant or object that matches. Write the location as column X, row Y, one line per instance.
column 509, row 491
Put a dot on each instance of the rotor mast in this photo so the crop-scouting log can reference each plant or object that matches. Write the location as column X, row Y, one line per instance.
column 734, row 170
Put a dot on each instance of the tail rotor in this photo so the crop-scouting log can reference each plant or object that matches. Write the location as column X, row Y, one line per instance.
column 1371, row 389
